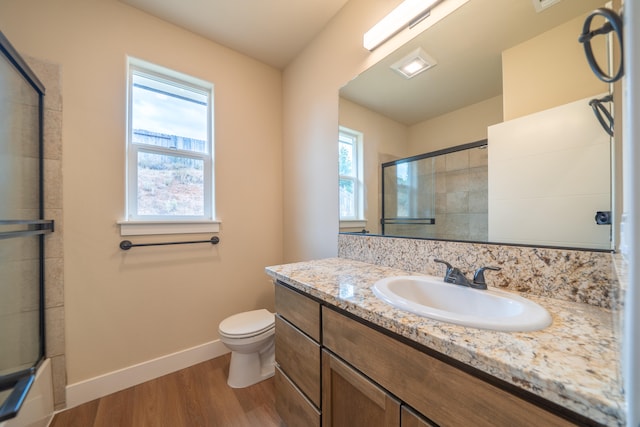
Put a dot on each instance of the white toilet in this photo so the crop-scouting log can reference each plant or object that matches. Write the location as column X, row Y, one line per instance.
column 250, row 336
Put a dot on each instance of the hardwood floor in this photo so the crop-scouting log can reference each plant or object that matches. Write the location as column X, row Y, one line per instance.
column 197, row 396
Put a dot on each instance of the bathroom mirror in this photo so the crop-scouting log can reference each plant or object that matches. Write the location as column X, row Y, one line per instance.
column 499, row 64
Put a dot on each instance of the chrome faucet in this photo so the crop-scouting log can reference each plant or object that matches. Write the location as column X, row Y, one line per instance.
column 457, row 277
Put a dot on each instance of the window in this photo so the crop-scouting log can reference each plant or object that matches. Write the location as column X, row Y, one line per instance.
column 169, row 146
column 350, row 181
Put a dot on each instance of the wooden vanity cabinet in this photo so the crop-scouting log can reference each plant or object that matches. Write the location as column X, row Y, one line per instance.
column 442, row 393
column 298, row 358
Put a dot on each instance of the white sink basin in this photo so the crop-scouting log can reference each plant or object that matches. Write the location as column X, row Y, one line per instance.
column 431, row 297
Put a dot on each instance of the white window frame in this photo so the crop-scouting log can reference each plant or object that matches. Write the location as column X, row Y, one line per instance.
column 134, row 224
column 359, row 219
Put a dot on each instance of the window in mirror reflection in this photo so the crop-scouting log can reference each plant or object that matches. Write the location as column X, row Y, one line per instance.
column 350, row 181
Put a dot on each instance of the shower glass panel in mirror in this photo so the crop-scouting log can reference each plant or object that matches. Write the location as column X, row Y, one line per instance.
column 517, row 79
column 439, row 195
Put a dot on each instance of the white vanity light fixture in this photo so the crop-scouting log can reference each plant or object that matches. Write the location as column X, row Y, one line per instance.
column 414, row 63
column 407, row 14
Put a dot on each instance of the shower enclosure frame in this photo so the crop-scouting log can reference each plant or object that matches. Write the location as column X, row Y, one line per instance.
column 20, row 381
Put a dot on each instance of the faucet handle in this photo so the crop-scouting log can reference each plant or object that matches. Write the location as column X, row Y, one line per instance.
column 451, row 273
column 478, row 277
column 449, row 266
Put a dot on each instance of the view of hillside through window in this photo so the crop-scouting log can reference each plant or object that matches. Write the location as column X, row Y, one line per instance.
column 169, row 184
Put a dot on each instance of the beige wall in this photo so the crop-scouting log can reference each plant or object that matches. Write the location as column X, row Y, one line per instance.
column 549, row 70
column 446, row 130
column 310, row 87
column 384, row 140
column 123, row 308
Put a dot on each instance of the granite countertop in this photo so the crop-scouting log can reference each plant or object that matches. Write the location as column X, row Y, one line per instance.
column 574, row 362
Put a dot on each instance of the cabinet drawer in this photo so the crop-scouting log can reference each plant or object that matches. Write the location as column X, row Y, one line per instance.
column 294, row 409
column 298, row 309
column 443, row 393
column 299, row 358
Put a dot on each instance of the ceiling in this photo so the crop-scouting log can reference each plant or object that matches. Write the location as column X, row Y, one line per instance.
column 271, row 31
column 468, row 46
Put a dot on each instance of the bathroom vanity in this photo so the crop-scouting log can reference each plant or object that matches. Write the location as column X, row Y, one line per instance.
column 346, row 358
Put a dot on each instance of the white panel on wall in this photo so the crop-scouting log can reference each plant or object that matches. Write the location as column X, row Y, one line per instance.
column 549, row 173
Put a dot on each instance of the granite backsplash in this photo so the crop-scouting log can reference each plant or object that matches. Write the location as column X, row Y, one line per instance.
column 572, row 275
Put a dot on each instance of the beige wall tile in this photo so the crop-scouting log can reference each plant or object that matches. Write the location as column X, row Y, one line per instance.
column 59, row 374
column 457, row 160
column 478, row 157
column 458, row 202
column 54, row 283
column 53, row 184
column 50, row 76
column 55, row 331
column 52, row 134
column 457, row 180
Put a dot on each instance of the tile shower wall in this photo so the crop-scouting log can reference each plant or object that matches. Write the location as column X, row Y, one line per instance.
column 50, row 75
column 461, row 195
column 570, row 275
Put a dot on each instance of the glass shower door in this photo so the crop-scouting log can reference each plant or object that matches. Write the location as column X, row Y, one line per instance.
column 21, row 229
column 408, row 197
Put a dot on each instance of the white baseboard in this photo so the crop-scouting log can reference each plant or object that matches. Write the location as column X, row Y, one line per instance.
column 94, row 388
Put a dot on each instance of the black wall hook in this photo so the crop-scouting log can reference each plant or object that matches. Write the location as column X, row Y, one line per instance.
column 614, row 23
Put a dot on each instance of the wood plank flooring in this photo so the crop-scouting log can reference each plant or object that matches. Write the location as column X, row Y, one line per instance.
column 197, row 396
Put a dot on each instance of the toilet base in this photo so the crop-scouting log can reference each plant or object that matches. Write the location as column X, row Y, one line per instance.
column 248, row 369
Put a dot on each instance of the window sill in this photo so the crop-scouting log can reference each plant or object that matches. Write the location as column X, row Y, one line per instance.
column 357, row 223
column 140, row 228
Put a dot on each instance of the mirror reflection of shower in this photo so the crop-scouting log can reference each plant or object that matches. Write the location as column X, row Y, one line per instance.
column 438, row 195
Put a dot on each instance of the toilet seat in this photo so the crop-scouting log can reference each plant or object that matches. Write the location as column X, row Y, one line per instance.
column 247, row 324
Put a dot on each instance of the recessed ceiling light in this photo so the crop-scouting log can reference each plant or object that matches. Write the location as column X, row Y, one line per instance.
column 541, row 5
column 414, row 63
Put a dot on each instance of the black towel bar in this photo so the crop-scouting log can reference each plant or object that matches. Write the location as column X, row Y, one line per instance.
column 125, row 245
column 30, row 227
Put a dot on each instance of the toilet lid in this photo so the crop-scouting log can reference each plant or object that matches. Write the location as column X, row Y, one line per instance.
column 249, row 323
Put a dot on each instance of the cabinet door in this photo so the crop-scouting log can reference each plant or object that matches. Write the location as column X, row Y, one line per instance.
column 411, row 419
column 351, row 400
column 443, row 393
